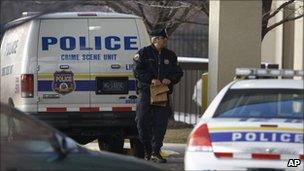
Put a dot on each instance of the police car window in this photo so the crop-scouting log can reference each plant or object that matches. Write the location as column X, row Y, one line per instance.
column 261, row 103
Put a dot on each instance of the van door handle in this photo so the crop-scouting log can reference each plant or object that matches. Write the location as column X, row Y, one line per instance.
column 64, row 66
column 269, row 125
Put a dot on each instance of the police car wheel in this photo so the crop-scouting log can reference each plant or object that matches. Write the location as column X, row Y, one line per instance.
column 111, row 144
column 137, row 148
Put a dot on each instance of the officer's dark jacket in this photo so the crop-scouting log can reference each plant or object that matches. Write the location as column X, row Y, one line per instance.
column 149, row 64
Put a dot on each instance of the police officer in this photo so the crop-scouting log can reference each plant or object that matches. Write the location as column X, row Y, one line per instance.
column 154, row 65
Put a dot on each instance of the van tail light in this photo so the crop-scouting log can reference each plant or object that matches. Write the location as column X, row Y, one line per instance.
column 199, row 139
column 27, row 85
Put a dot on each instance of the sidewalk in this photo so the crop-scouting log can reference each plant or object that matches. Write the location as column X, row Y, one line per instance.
column 169, row 149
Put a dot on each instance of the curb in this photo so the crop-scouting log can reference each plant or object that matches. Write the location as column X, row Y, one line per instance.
column 165, row 153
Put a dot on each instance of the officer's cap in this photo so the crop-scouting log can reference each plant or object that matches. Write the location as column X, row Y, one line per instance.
column 159, row 32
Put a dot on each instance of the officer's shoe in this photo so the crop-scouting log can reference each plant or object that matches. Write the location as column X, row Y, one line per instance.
column 157, row 158
column 148, row 151
column 147, row 156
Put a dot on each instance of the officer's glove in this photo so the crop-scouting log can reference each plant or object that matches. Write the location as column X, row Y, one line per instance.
column 155, row 82
column 166, row 81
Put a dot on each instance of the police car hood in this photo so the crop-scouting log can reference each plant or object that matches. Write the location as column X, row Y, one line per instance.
column 256, row 136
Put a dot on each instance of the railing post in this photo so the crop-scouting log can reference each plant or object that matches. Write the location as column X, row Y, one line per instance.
column 204, row 92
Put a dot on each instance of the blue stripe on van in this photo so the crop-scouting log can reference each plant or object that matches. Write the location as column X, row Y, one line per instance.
column 81, row 85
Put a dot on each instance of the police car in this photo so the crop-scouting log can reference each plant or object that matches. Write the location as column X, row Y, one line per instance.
column 74, row 70
column 252, row 124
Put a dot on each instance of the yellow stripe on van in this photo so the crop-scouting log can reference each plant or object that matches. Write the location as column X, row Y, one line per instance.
column 255, row 129
column 82, row 76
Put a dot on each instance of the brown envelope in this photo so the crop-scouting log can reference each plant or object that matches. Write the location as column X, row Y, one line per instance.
column 159, row 95
column 155, row 90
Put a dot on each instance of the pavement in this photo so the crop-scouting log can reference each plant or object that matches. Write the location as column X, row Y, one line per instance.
column 174, row 153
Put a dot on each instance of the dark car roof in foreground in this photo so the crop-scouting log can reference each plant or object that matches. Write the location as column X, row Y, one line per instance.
column 98, row 159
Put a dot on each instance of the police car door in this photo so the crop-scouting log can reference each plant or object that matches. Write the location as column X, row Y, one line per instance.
column 114, row 43
column 62, row 73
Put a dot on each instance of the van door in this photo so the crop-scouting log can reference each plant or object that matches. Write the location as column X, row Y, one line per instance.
column 115, row 42
column 63, row 73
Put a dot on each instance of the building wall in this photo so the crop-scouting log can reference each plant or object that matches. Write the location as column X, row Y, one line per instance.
column 299, row 44
column 276, row 45
column 269, row 48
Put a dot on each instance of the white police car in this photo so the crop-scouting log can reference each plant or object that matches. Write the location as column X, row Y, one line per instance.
column 252, row 124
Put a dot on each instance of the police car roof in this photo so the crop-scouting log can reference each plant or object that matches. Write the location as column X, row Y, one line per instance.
column 268, row 84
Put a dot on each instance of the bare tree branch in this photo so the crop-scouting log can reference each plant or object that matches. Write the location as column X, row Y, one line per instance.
column 266, row 8
column 161, row 13
column 130, row 7
column 172, row 13
column 205, row 8
column 183, row 17
column 287, row 19
column 146, row 21
column 114, row 6
column 285, row 4
column 190, row 22
column 160, row 16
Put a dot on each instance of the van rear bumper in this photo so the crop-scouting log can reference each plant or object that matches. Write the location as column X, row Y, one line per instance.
column 92, row 119
column 97, row 123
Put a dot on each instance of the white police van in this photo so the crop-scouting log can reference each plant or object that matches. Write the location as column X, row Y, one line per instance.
column 252, row 124
column 74, row 71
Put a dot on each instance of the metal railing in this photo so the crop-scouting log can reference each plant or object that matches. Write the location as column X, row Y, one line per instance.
column 190, row 42
column 184, row 107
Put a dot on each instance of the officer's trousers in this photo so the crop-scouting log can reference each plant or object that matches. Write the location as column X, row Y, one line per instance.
column 151, row 121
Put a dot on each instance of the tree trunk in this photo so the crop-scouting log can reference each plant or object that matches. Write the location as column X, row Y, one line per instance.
column 266, row 7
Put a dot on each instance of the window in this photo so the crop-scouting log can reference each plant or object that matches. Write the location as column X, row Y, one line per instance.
column 262, row 103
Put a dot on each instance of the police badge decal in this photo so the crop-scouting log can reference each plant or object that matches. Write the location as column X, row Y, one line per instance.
column 63, row 82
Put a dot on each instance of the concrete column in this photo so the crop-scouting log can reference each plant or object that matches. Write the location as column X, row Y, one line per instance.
column 234, row 40
column 288, row 39
column 272, row 42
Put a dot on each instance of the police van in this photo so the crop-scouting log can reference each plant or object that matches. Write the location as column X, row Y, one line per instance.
column 74, row 71
column 254, row 123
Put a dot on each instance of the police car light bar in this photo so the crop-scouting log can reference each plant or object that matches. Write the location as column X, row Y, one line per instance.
column 257, row 72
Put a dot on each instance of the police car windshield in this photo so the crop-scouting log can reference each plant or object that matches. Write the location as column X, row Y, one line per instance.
column 262, row 103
